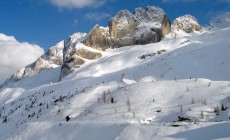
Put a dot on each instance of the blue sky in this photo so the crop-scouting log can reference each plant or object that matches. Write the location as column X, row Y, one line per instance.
column 46, row 22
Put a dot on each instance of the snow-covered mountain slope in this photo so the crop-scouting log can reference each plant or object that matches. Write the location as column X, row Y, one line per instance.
column 178, row 88
column 221, row 21
column 144, row 26
column 53, row 58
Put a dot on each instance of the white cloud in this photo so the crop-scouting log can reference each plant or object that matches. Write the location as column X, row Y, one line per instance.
column 96, row 16
column 77, row 3
column 15, row 55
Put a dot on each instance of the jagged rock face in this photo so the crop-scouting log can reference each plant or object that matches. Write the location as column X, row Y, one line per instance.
column 98, row 38
column 72, row 62
column 122, row 28
column 144, row 26
column 166, row 25
column 38, row 64
column 88, row 54
column 146, row 35
column 74, row 55
column 69, row 59
column 186, row 23
column 153, row 17
column 154, row 25
column 70, row 43
column 124, row 23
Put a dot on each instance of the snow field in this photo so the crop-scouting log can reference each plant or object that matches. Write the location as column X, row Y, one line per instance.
column 134, row 92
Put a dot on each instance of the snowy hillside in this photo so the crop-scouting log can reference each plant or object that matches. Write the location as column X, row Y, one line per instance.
column 178, row 88
column 53, row 58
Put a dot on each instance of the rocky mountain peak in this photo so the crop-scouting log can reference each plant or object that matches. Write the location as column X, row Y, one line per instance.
column 154, row 18
column 123, row 18
column 123, row 13
column 74, row 54
column 98, row 38
column 151, row 15
column 144, row 26
column 139, row 11
column 187, row 23
column 122, row 28
column 70, row 43
column 125, row 29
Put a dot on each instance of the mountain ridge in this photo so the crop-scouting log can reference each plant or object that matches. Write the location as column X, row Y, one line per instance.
column 148, row 30
column 178, row 88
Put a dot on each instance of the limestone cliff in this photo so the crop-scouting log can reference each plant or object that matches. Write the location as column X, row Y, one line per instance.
column 145, row 26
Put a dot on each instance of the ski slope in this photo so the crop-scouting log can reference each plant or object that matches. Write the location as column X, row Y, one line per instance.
column 134, row 92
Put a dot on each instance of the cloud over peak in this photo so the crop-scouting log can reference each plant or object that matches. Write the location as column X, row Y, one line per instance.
column 77, row 3
column 15, row 55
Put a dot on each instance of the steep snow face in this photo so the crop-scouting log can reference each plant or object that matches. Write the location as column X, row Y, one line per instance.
column 187, row 23
column 220, row 22
column 225, row 17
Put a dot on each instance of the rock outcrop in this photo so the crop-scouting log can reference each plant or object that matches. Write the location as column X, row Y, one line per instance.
column 76, row 53
column 187, row 23
column 122, row 28
column 98, row 38
column 87, row 54
column 154, row 18
column 145, row 26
